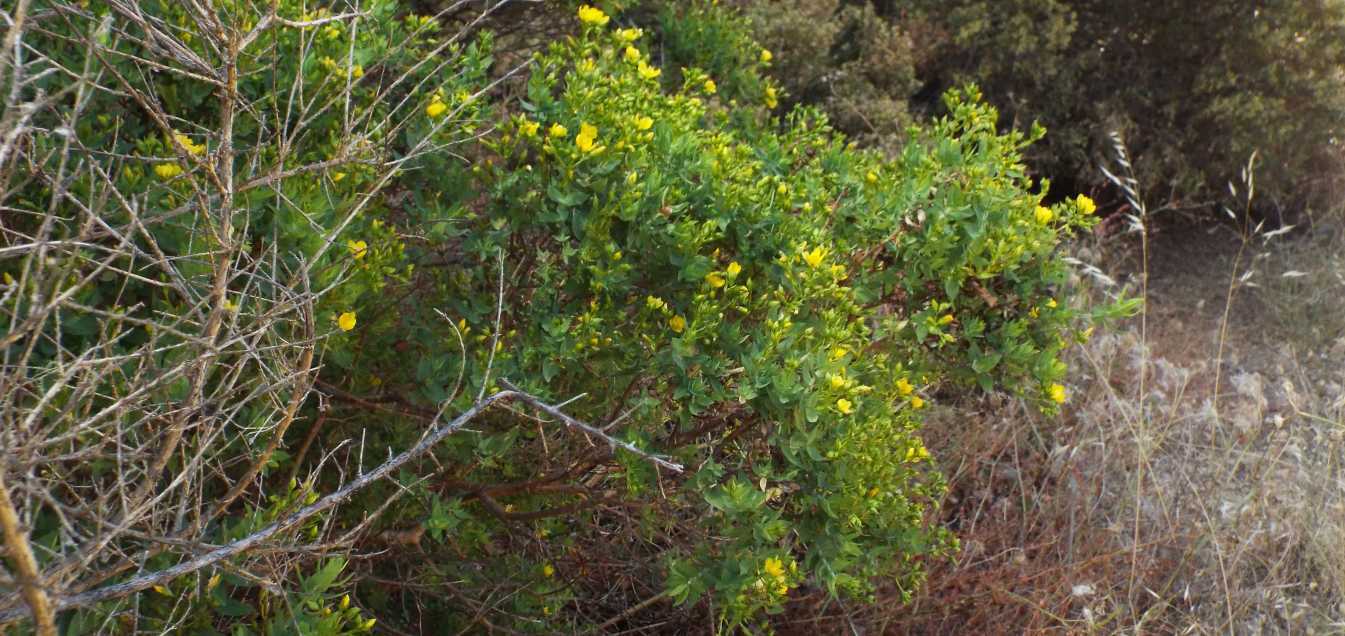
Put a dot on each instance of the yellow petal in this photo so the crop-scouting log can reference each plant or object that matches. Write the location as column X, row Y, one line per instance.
column 346, row 321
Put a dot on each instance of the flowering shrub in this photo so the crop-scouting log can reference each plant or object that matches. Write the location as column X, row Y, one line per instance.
column 751, row 296
column 755, row 297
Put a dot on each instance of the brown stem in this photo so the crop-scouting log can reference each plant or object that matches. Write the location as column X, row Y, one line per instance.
column 25, row 565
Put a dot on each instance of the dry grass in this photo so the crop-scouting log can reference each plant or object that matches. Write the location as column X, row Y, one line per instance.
column 1195, row 483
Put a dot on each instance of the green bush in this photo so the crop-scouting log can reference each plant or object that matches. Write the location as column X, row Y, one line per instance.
column 757, row 298
column 753, row 297
column 1195, row 88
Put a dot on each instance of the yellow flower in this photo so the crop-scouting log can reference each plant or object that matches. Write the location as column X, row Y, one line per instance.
column 905, row 387
column 435, row 109
column 1050, row 302
column 167, row 170
column 629, row 35
column 710, row 87
column 871, row 177
column 655, row 303
column 648, row 72
column 557, row 130
column 917, row 453
column 734, row 269
column 836, row 381
column 358, row 249
column 838, row 353
column 643, row 122
column 814, row 257
column 592, row 15
column 917, row 403
column 845, row 406
column 529, row 128
column 586, row 139
column 186, row 142
column 765, row 56
column 548, row 571
column 774, row 567
column 714, row 279
column 1057, row 393
column 771, row 99
column 1085, row 204
column 632, row 54
column 337, row 176
column 677, row 324
column 358, row 71
column 1044, row 215
column 346, row 321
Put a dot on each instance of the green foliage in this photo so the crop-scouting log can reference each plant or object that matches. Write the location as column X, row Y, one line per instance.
column 272, row 193
column 1195, row 87
column 754, row 296
column 845, row 59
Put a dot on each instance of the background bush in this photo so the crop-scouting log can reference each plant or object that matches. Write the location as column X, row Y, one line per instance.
column 1194, row 88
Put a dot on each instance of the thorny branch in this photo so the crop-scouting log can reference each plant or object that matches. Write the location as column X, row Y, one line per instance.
column 125, row 438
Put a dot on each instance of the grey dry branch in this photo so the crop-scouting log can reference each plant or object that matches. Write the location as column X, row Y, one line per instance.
column 94, row 438
column 342, row 494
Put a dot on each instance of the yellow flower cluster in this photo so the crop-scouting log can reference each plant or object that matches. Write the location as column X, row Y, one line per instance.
column 587, row 139
column 774, row 568
column 346, row 321
column 1057, row 393
column 1086, row 205
column 187, row 144
column 167, row 171
column 592, row 15
column 528, row 128
column 648, row 72
column 814, row 257
column 358, row 249
column 1044, row 214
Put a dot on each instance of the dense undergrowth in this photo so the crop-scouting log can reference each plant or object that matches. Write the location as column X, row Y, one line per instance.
column 340, row 318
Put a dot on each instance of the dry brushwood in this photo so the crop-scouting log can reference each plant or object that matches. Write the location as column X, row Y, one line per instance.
column 159, row 424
